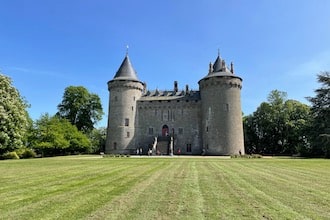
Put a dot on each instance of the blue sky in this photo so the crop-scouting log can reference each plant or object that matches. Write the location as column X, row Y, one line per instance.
column 47, row 45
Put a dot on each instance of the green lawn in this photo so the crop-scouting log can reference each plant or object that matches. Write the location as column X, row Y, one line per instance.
column 89, row 187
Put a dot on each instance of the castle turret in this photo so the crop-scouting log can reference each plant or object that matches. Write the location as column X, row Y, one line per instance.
column 221, row 111
column 125, row 89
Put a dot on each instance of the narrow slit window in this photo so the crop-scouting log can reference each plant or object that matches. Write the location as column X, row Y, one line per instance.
column 189, row 148
column 126, row 121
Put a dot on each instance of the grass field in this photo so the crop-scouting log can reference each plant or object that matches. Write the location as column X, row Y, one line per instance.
column 87, row 187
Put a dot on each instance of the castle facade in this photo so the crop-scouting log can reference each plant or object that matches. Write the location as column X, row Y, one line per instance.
column 207, row 121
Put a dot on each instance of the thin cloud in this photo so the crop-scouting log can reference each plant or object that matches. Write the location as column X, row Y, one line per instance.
column 39, row 72
column 319, row 63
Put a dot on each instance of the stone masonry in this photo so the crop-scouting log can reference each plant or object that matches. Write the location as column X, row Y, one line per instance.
column 187, row 122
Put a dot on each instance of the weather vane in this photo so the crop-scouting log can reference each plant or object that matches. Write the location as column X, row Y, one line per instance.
column 127, row 49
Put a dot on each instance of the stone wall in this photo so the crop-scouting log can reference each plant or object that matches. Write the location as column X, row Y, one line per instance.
column 122, row 114
column 181, row 117
column 222, row 115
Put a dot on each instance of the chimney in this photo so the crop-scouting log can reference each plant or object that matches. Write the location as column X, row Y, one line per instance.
column 175, row 86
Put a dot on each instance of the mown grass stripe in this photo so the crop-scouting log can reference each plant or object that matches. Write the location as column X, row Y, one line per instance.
column 128, row 204
column 164, row 188
column 53, row 200
column 270, row 190
column 247, row 192
column 39, row 199
column 106, row 192
column 51, row 186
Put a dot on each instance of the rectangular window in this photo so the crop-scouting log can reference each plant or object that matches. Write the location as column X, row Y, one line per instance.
column 226, row 107
column 115, row 145
column 151, row 131
column 126, row 122
column 165, row 116
column 127, row 134
column 180, row 130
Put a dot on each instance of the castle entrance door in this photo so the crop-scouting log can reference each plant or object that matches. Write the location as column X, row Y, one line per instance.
column 165, row 130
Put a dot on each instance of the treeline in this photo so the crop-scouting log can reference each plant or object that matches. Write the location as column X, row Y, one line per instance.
column 279, row 126
column 282, row 126
column 70, row 131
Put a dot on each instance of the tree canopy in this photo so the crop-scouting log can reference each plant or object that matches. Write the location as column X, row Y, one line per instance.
column 14, row 118
column 277, row 126
column 57, row 136
column 320, row 128
column 98, row 138
column 81, row 108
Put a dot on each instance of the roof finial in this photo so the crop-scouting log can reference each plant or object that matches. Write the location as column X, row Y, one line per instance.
column 210, row 67
column 127, row 49
column 232, row 67
column 218, row 52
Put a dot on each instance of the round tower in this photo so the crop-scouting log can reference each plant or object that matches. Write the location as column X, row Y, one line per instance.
column 125, row 89
column 221, row 110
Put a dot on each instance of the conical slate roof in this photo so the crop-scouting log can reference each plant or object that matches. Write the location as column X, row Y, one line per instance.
column 126, row 70
column 220, row 70
column 217, row 64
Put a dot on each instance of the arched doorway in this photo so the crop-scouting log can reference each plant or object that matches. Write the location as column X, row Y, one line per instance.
column 165, row 130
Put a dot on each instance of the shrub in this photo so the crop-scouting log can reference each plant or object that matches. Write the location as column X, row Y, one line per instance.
column 10, row 155
column 25, row 153
column 246, row 156
column 28, row 153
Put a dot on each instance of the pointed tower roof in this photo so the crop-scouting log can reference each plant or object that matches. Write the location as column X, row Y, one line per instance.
column 217, row 64
column 220, row 70
column 126, row 70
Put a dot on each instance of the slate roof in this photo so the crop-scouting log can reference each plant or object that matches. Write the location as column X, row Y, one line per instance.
column 157, row 95
column 220, row 71
column 126, row 71
column 217, row 64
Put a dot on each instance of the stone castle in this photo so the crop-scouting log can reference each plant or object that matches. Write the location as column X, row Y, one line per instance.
column 186, row 122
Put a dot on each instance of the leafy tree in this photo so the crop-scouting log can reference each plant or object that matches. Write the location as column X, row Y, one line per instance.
column 98, row 138
column 81, row 108
column 320, row 128
column 57, row 136
column 277, row 126
column 14, row 118
column 297, row 123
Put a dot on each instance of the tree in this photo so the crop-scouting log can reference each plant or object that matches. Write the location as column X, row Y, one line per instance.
column 14, row 118
column 98, row 138
column 81, row 108
column 57, row 136
column 320, row 128
column 277, row 126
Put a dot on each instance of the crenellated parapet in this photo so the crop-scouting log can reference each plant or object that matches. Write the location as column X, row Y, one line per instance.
column 128, row 84
column 221, row 81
